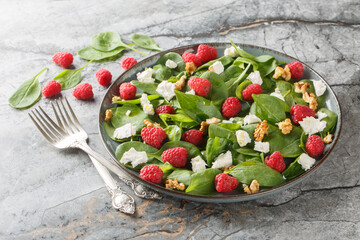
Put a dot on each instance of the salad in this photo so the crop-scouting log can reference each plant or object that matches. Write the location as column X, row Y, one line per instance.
column 209, row 122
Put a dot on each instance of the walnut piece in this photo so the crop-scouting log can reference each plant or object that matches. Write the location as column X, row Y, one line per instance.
column 282, row 72
column 151, row 125
column 285, row 126
column 227, row 168
column 261, row 130
column 328, row 138
column 116, row 99
column 174, row 184
column 254, row 187
column 204, row 127
column 300, row 87
column 180, row 83
column 190, row 68
column 311, row 99
column 278, row 72
column 108, row 115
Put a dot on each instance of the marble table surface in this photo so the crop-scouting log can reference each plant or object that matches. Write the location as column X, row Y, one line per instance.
column 47, row 193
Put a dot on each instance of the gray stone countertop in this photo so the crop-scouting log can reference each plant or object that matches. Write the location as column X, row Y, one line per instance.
column 46, row 193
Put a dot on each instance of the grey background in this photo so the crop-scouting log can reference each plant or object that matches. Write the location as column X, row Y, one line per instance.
column 49, row 193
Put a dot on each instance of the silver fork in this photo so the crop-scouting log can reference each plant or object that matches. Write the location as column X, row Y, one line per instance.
column 68, row 133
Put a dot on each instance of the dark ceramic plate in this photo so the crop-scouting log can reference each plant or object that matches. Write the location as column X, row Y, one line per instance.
column 110, row 145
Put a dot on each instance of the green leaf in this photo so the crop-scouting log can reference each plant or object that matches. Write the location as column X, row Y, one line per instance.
column 182, row 175
column 247, row 171
column 243, row 53
column 136, row 101
column 268, row 107
column 173, row 132
column 293, row 170
column 231, row 72
column 70, row 78
column 145, row 42
column 320, row 99
column 233, row 83
column 214, row 147
column 167, row 169
column 241, row 88
column 181, row 119
column 138, row 146
column 149, row 88
column 174, row 57
column 27, row 94
column 217, row 131
column 161, row 72
column 288, row 91
column 330, row 120
column 218, row 92
column 89, row 53
column 267, row 66
column 225, row 60
column 196, row 107
column 202, row 183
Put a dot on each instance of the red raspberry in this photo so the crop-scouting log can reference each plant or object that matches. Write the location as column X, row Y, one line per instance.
column 314, row 145
column 206, row 53
column 177, row 157
column 153, row 136
column 128, row 62
column 104, row 77
column 51, row 89
column 201, row 86
column 127, row 91
column 276, row 161
column 253, row 88
column 83, row 91
column 231, row 107
column 299, row 112
column 190, row 57
column 225, row 183
column 296, row 69
column 63, row 59
column 193, row 136
column 151, row 173
column 165, row 109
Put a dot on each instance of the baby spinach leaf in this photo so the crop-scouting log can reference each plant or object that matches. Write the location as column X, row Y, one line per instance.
column 173, row 132
column 136, row 101
column 202, row 183
column 179, row 118
column 303, row 140
column 247, row 171
column 196, row 107
column 243, row 53
column 218, row 92
column 214, row 147
column 149, row 88
column 268, row 85
column 193, row 151
column 174, row 57
column 136, row 117
column 138, row 146
column 233, row 83
column 89, row 53
column 240, row 61
column 230, row 126
column 293, row 170
column 70, row 78
column 225, row 60
column 161, row 72
column 268, row 107
column 320, row 99
column 217, row 131
column 268, row 66
column 288, row 91
column 248, row 152
column 145, row 42
column 231, row 72
column 182, row 175
column 330, row 120
column 241, row 88
column 27, row 94
column 167, row 169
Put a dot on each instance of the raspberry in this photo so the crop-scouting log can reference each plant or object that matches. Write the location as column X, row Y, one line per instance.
column 276, row 161
column 128, row 62
column 253, row 88
column 153, row 136
column 151, row 173
column 63, row 59
column 296, row 69
column 83, row 91
column 190, row 57
column 177, row 157
column 127, row 91
column 298, row 112
column 314, row 145
column 103, row 76
column 231, row 107
column 206, row 53
column 51, row 89
column 201, row 86
column 225, row 183
column 165, row 109
column 193, row 136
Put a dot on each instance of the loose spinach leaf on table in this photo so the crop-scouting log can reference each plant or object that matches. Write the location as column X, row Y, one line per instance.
column 214, row 147
column 173, row 132
column 202, row 183
column 225, row 60
column 70, row 78
column 182, row 175
column 218, row 92
column 89, row 53
column 174, row 57
column 145, row 42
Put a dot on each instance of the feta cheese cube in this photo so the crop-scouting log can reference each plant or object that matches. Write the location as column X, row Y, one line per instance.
column 198, row 164
column 148, row 108
column 223, row 160
column 306, row 162
column 146, row 76
column 231, row 52
column 251, row 118
column 231, row 120
column 125, row 131
column 217, row 67
column 192, row 92
column 277, row 94
column 321, row 115
column 170, row 64
column 311, row 125
column 242, row 137
column 255, row 77
column 320, row 87
column 134, row 157
column 166, row 89
column 262, row 147
column 128, row 112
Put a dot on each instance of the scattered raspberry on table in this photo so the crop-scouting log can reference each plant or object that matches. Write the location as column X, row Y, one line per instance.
column 225, row 183
column 253, row 88
column 193, row 136
column 151, row 173
column 63, row 59
column 201, row 86
column 299, row 112
column 52, row 88
column 83, row 91
column 314, row 146
column 206, row 53
column 276, row 161
column 153, row 136
column 127, row 91
column 104, row 77
column 128, row 62
column 165, row 109
column 231, row 107
column 177, row 157
column 296, row 69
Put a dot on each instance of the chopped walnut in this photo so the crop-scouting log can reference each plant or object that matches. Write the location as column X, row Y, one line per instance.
column 213, row 120
column 108, row 115
column 174, row 184
column 260, row 131
column 278, row 72
column 151, row 125
column 282, row 72
column 116, row 99
column 190, row 68
column 180, row 83
column 311, row 99
column 254, row 187
column 227, row 168
column 211, row 68
column 300, row 87
column 204, row 127
column 328, row 138
column 285, row 126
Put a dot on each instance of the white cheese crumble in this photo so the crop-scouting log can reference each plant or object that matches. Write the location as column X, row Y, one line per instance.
column 255, row 77
column 146, row 76
column 311, row 125
column 217, row 67
column 166, row 89
column 231, row 120
column 231, row 52
column 306, row 162
column 192, row 92
column 134, row 157
column 223, row 160
column 125, row 131
column 243, row 138
column 321, row 115
column 277, row 94
column 251, row 118
column 128, row 112
column 262, row 147
column 148, row 108
column 320, row 87
column 198, row 164
column 170, row 64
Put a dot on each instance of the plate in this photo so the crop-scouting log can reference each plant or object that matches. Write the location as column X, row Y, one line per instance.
column 110, row 145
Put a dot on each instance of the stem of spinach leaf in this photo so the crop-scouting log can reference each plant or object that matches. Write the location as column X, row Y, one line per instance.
column 243, row 53
column 242, row 75
column 134, row 49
